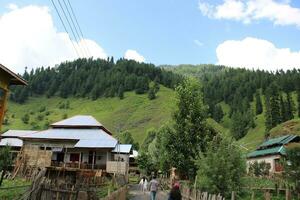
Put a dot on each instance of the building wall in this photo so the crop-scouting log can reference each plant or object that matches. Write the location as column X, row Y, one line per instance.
column 3, row 98
column 268, row 159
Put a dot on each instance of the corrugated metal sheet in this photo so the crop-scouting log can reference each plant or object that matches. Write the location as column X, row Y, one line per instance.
column 277, row 141
column 13, row 142
column 96, row 144
column 96, row 138
column 17, row 133
column 78, row 120
column 270, row 151
column 122, row 148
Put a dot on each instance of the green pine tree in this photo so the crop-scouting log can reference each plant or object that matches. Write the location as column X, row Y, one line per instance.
column 258, row 103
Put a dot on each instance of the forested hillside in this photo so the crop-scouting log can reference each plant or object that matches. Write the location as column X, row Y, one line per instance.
column 93, row 79
column 244, row 101
column 127, row 95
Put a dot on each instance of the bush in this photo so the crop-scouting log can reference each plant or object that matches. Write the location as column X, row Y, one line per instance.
column 42, row 109
column 25, row 118
column 259, row 168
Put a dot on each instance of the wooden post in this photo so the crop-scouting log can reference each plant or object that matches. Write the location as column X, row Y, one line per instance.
column 93, row 159
column 267, row 195
column 233, row 195
column 287, row 194
column 79, row 160
column 253, row 195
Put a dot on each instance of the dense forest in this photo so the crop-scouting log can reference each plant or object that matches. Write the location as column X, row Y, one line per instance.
column 94, row 78
column 239, row 87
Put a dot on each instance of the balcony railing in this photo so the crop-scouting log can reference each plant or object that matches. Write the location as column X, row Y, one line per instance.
column 77, row 165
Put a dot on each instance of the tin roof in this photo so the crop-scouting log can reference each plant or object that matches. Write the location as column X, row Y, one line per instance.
column 277, row 141
column 123, row 148
column 86, row 138
column 16, row 133
column 13, row 142
column 78, row 121
column 14, row 78
column 270, row 151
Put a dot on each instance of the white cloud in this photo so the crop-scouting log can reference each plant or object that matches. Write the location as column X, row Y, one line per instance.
column 134, row 55
column 198, row 43
column 253, row 53
column 279, row 12
column 29, row 38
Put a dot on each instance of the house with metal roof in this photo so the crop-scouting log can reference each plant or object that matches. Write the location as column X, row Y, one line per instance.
column 77, row 143
column 271, row 151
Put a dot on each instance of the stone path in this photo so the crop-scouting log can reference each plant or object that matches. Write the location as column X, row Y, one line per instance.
column 136, row 194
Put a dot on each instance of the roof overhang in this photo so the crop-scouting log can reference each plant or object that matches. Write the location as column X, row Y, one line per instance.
column 14, row 78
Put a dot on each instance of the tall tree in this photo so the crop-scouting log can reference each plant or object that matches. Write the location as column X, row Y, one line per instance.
column 283, row 109
column 289, row 107
column 258, row 104
column 191, row 132
column 298, row 99
column 126, row 138
column 218, row 113
column 273, row 112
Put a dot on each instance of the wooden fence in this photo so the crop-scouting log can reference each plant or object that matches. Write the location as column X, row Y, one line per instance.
column 192, row 194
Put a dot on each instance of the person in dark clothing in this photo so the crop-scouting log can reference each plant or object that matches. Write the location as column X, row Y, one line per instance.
column 175, row 193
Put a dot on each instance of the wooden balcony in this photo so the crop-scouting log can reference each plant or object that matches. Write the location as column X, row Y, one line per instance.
column 77, row 165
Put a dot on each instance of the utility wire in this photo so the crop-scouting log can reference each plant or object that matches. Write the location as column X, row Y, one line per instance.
column 79, row 27
column 65, row 27
column 70, row 25
column 76, row 31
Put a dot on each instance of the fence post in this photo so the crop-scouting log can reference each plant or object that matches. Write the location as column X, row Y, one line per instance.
column 233, row 195
column 267, row 195
column 252, row 195
column 287, row 194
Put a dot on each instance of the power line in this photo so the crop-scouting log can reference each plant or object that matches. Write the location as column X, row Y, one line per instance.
column 69, row 24
column 78, row 26
column 75, row 28
column 65, row 27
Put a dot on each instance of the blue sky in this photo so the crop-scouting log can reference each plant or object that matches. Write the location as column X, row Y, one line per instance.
column 179, row 31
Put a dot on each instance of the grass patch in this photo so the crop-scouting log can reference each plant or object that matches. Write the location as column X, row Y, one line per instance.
column 13, row 189
column 135, row 113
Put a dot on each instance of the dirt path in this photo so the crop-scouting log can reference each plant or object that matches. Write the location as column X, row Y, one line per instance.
column 136, row 194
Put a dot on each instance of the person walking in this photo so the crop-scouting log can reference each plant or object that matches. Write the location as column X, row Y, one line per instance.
column 153, row 188
column 175, row 193
column 144, row 184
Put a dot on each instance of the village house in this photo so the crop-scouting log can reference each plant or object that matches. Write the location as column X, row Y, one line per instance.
column 77, row 143
column 271, row 152
column 7, row 78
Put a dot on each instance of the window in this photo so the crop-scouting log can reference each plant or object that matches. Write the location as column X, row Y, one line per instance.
column 74, row 157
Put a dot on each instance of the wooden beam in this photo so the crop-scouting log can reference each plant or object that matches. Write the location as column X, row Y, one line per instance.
column 93, row 159
column 79, row 160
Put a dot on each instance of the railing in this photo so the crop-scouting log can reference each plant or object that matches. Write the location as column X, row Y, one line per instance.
column 77, row 165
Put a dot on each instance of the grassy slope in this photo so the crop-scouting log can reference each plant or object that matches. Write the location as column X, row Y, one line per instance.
column 135, row 113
